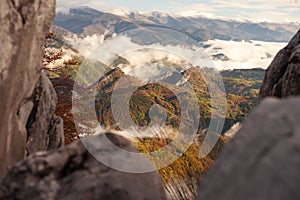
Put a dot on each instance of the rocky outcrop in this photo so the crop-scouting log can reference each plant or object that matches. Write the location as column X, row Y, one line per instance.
column 262, row 161
column 23, row 28
column 73, row 173
column 44, row 128
column 283, row 75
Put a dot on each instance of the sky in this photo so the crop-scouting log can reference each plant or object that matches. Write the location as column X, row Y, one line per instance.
column 254, row 10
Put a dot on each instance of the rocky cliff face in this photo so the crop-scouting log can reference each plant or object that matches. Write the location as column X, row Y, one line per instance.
column 283, row 75
column 73, row 173
column 44, row 128
column 23, row 27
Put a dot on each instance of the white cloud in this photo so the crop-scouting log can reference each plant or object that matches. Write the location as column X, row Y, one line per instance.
column 73, row 3
column 254, row 10
column 197, row 9
column 244, row 54
column 65, row 5
column 241, row 54
column 254, row 4
column 85, row 45
column 268, row 15
column 106, row 51
column 105, row 7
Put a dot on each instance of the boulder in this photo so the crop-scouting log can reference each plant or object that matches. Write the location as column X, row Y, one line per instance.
column 24, row 25
column 282, row 78
column 262, row 161
column 44, row 128
column 73, row 173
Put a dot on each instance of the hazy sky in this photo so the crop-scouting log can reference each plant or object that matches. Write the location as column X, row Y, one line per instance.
column 256, row 10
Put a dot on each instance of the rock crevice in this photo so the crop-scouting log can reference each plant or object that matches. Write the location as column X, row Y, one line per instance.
column 44, row 128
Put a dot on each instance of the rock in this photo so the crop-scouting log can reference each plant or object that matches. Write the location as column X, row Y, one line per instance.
column 24, row 25
column 44, row 128
column 283, row 75
column 262, row 161
column 73, row 173
column 233, row 130
column 220, row 56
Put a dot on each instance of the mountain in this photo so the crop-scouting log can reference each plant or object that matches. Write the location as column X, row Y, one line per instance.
column 241, row 85
column 184, row 174
column 85, row 20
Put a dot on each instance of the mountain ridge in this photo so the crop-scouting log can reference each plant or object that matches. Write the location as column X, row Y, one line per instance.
column 86, row 20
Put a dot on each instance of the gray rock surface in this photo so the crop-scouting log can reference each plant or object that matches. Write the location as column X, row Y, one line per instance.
column 72, row 173
column 44, row 128
column 263, row 160
column 283, row 75
column 23, row 24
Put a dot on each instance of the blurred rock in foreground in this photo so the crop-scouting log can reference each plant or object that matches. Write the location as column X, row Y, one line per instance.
column 72, row 173
column 263, row 160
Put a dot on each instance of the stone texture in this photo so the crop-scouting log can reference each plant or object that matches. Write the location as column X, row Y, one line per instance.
column 24, row 24
column 72, row 173
column 262, row 161
column 44, row 128
column 283, row 75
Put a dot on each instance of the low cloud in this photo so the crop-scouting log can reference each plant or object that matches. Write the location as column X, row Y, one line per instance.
column 241, row 54
column 254, row 54
column 85, row 45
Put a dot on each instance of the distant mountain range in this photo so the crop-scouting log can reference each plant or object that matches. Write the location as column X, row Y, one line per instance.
column 88, row 21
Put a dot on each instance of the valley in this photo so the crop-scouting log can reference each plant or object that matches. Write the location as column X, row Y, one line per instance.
column 182, row 176
column 86, row 64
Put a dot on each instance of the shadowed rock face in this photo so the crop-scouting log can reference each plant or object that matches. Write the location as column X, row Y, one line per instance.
column 262, row 161
column 44, row 128
column 72, row 173
column 283, row 75
column 23, row 24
